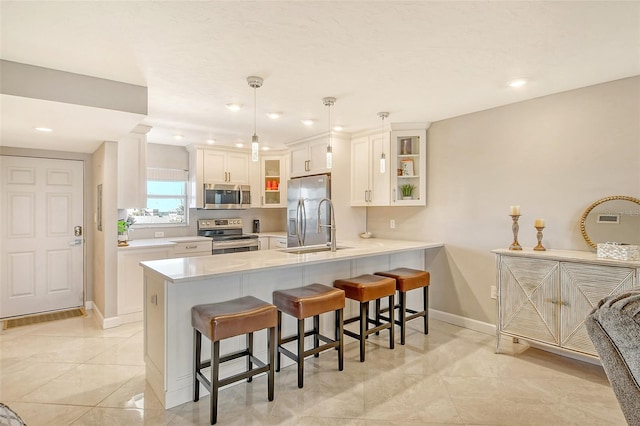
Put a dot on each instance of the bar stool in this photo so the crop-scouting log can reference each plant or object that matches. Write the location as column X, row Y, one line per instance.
column 364, row 289
column 306, row 302
column 409, row 279
column 219, row 321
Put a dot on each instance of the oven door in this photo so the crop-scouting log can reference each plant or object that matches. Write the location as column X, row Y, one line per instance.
column 234, row 246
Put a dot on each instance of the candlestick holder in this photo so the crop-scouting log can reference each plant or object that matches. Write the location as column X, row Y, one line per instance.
column 539, row 247
column 515, row 245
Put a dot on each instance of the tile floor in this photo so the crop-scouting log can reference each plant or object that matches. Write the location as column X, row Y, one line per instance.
column 73, row 372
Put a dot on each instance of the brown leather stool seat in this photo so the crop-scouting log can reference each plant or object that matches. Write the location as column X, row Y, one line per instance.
column 306, row 302
column 365, row 288
column 218, row 321
column 409, row 279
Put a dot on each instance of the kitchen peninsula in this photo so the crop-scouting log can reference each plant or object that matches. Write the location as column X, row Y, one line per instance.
column 173, row 286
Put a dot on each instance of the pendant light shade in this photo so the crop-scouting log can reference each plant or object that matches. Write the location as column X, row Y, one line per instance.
column 329, row 102
column 383, row 157
column 255, row 83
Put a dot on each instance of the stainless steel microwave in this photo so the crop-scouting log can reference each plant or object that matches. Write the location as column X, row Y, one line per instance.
column 222, row 196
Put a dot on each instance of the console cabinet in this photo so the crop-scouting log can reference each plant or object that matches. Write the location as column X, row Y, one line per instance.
column 545, row 296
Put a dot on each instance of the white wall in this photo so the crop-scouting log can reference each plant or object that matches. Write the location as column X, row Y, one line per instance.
column 553, row 156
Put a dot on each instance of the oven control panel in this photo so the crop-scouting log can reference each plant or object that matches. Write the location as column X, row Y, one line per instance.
column 219, row 223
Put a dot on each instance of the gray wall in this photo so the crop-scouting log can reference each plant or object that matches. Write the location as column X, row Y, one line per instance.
column 553, row 156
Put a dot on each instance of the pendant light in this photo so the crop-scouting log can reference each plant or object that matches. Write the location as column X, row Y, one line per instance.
column 254, row 82
column 383, row 158
column 328, row 102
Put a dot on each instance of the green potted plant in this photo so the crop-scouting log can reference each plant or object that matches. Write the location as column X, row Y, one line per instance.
column 123, row 232
column 407, row 191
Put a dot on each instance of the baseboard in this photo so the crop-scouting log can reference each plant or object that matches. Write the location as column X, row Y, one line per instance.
column 115, row 321
column 88, row 304
column 471, row 324
column 487, row 328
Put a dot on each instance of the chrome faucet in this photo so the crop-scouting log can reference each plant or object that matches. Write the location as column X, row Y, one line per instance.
column 331, row 225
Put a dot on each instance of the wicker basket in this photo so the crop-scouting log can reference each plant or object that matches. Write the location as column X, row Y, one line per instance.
column 618, row 251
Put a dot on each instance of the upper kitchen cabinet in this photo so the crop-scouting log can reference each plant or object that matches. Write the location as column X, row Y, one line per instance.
column 273, row 181
column 308, row 157
column 225, row 167
column 132, row 169
column 370, row 184
column 215, row 166
column 408, row 164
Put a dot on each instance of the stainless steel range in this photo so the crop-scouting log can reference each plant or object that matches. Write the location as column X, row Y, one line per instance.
column 227, row 235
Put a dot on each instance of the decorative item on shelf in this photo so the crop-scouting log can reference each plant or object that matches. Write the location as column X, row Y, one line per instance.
column 515, row 215
column 255, row 83
column 407, row 191
column 618, row 251
column 399, row 172
column 123, row 233
column 407, row 167
column 539, row 225
column 405, row 146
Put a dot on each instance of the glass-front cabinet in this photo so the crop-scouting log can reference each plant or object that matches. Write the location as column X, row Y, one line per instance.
column 408, row 164
column 274, row 181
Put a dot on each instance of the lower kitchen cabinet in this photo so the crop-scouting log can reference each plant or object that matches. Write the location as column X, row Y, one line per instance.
column 545, row 296
column 130, row 276
column 272, row 243
column 130, row 301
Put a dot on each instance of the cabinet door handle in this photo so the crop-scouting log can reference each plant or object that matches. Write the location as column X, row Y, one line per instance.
column 307, row 166
column 190, row 247
column 154, row 299
column 554, row 301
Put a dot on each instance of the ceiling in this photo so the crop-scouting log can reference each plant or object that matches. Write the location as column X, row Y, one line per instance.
column 422, row 61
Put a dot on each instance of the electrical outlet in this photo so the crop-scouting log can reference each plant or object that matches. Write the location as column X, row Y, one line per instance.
column 494, row 292
column 392, row 224
column 159, row 234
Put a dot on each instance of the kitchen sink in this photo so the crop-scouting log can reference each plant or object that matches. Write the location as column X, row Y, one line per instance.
column 310, row 249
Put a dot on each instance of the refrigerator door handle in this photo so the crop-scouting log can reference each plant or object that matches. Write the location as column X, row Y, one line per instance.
column 299, row 222
column 304, row 221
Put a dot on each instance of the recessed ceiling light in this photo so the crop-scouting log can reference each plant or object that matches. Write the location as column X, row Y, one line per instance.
column 211, row 141
column 307, row 122
column 178, row 137
column 43, row 129
column 239, row 145
column 338, row 128
column 234, row 107
column 274, row 115
column 518, row 83
column 265, row 148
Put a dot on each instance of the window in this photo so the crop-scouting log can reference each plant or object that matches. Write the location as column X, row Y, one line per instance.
column 166, row 199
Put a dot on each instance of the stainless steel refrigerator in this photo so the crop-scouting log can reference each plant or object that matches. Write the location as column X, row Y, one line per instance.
column 303, row 196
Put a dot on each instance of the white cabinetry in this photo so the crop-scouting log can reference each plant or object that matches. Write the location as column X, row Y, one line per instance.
column 263, row 243
column 214, row 166
column 309, row 157
column 129, row 300
column 273, row 181
column 277, row 242
column 130, row 286
column 408, row 163
column 370, row 186
column 132, row 169
column 225, row 167
column 545, row 296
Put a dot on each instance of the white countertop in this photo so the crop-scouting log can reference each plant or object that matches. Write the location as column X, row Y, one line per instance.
column 161, row 242
column 203, row 267
column 277, row 234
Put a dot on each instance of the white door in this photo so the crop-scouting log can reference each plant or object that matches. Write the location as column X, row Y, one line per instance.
column 41, row 224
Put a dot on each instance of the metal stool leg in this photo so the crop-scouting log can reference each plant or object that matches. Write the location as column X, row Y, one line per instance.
column 300, row 353
column 426, row 309
column 364, row 313
column 271, row 345
column 197, row 346
column 391, row 321
column 279, row 342
column 316, row 333
column 250, row 349
column 340, row 338
column 215, row 384
column 403, row 316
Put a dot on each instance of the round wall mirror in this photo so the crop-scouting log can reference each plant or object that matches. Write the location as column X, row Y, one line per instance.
column 612, row 219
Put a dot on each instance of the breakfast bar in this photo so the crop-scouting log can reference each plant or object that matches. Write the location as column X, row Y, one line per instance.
column 173, row 286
